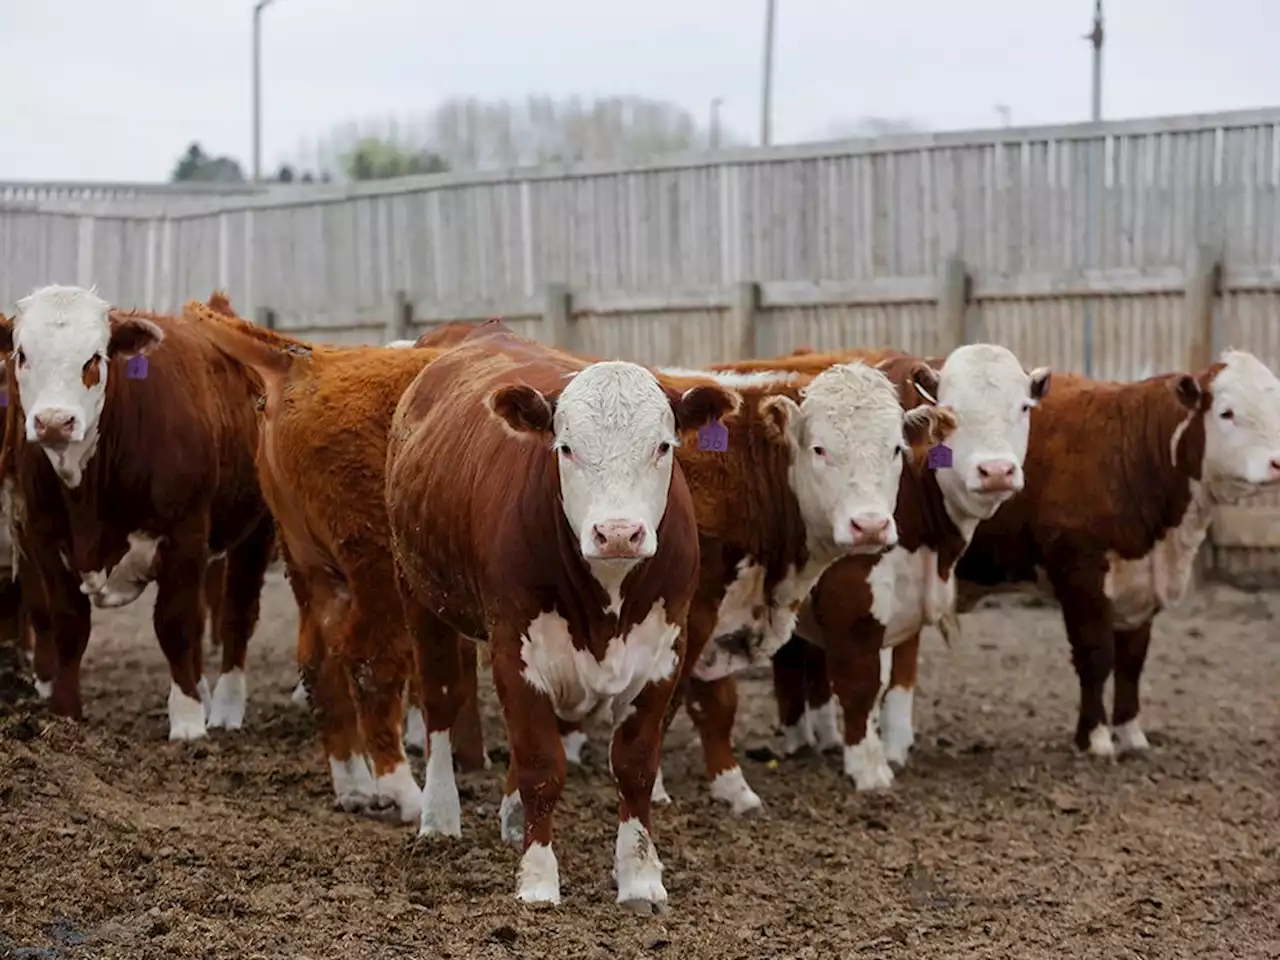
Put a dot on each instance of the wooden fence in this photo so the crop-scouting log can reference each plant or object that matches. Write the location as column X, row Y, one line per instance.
column 1116, row 249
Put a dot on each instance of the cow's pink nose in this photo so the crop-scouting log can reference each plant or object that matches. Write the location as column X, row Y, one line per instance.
column 869, row 528
column 617, row 538
column 1275, row 469
column 997, row 474
column 54, row 426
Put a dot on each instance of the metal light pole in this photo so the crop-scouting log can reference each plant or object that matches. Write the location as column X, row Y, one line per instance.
column 1093, row 182
column 766, row 92
column 1006, row 114
column 257, row 88
column 715, row 122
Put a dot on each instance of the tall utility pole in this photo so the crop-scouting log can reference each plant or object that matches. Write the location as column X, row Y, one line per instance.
column 257, row 88
column 766, row 83
column 1093, row 183
column 1095, row 38
column 714, row 134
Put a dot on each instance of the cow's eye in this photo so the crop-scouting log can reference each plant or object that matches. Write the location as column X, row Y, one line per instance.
column 819, row 451
column 22, row 358
column 664, row 448
column 565, row 451
column 897, row 451
column 1228, row 414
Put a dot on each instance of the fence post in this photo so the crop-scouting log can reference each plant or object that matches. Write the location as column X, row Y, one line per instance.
column 265, row 317
column 1204, row 278
column 953, row 305
column 557, row 317
column 745, row 315
column 400, row 322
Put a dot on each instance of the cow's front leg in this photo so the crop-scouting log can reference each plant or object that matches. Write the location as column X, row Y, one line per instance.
column 897, row 723
column 538, row 758
column 635, row 754
column 573, row 738
column 60, row 620
column 179, row 625
column 245, row 569
column 1078, row 585
column 713, row 706
column 854, row 659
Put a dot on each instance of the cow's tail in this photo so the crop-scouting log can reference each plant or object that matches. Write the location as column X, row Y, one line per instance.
column 268, row 354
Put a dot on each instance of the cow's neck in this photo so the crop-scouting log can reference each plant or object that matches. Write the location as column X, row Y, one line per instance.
column 927, row 519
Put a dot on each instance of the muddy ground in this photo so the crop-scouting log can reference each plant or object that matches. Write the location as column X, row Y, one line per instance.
column 999, row 841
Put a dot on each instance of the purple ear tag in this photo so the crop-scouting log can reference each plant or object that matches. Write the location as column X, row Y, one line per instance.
column 135, row 368
column 940, row 457
column 714, row 436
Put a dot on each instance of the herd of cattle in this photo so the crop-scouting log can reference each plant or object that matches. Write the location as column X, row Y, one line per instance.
column 623, row 539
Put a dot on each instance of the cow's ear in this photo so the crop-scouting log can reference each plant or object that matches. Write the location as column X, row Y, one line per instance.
column 782, row 418
column 6, row 335
column 132, row 336
column 927, row 426
column 1187, row 389
column 925, row 380
column 698, row 406
column 1040, row 378
column 522, row 409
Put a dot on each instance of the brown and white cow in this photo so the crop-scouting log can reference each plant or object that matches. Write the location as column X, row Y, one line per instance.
column 322, row 462
column 865, row 606
column 132, row 457
column 535, row 505
column 1121, row 481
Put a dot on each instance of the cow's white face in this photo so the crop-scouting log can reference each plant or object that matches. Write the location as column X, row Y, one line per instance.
column 61, row 341
column 992, row 397
column 849, row 437
column 1242, row 426
column 613, row 430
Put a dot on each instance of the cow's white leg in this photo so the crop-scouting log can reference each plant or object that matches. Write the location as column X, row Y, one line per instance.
column 299, row 695
column 186, row 715
column 899, row 732
column 206, row 700
column 1100, row 744
column 539, row 879
column 798, row 736
column 865, row 762
column 44, row 689
column 573, row 742
column 637, row 869
column 1130, row 737
column 825, row 726
column 415, row 730
column 659, row 793
column 441, row 808
column 511, row 819
column 399, row 789
column 730, row 787
column 353, row 787
column 230, row 699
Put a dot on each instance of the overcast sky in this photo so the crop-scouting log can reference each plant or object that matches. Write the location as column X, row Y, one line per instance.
column 91, row 89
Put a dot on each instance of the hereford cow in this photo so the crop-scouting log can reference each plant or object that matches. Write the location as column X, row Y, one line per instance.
column 535, row 505
column 321, row 459
column 132, row 454
column 864, row 606
column 1121, row 481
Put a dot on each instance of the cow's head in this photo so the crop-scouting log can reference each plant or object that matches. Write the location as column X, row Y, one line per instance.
column 992, row 397
column 1239, row 398
column 849, row 437
column 61, row 341
column 613, row 430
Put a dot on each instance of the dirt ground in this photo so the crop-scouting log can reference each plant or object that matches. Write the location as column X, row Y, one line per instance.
column 998, row 841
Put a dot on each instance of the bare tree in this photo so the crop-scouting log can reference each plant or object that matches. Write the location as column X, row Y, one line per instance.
column 869, row 126
column 472, row 134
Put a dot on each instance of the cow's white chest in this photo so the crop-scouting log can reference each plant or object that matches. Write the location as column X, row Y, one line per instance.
column 123, row 583
column 751, row 627
column 1139, row 589
column 907, row 593
column 580, row 685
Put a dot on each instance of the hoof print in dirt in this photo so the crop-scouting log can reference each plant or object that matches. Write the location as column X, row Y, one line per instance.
column 643, row 908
